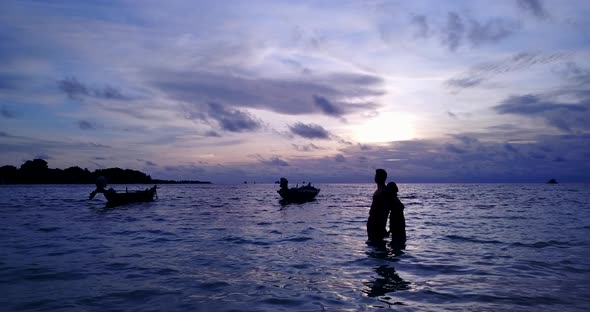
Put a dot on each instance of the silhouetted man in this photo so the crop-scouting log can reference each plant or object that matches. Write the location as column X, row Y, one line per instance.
column 379, row 208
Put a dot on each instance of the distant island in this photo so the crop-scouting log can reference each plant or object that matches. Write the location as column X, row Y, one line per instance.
column 36, row 171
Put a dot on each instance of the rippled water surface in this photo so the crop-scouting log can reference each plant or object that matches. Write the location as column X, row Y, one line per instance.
column 491, row 247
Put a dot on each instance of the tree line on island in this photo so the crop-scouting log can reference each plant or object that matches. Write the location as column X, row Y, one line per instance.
column 36, row 171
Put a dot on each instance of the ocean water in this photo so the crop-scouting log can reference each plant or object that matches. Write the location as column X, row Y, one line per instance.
column 488, row 247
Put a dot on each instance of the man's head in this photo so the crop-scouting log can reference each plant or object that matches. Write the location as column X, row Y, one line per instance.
column 380, row 176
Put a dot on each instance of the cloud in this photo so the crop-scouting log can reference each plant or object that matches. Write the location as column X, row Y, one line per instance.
column 11, row 81
column 109, row 93
column 534, row 7
column 301, row 95
column 306, row 148
column 85, row 125
column 7, row 113
column 326, row 106
column 466, row 139
column 310, row 131
column 43, row 156
column 533, row 104
column 464, row 158
column 456, row 32
column 510, row 148
column 574, row 74
column 420, row 24
column 453, row 32
column 340, row 158
column 274, row 161
column 232, row 120
column 147, row 162
column 454, row 149
column 483, row 72
column 564, row 116
column 74, row 89
column 491, row 31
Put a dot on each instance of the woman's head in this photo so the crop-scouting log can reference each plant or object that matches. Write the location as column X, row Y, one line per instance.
column 391, row 186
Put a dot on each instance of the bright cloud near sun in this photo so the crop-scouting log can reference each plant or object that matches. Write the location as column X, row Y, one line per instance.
column 385, row 127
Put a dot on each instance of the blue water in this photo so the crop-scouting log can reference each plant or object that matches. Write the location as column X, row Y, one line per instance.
column 491, row 247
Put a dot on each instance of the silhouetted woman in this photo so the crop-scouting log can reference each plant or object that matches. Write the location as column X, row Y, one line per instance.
column 397, row 221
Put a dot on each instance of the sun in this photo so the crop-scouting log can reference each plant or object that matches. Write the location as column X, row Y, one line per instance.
column 386, row 127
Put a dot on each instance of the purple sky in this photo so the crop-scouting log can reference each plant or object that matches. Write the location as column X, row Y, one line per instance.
column 327, row 91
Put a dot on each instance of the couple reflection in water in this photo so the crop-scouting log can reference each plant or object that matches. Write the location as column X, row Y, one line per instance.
column 386, row 206
column 387, row 279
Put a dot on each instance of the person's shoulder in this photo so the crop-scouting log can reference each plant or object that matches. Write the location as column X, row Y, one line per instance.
column 381, row 191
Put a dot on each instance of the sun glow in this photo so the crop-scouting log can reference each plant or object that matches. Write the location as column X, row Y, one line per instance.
column 386, row 127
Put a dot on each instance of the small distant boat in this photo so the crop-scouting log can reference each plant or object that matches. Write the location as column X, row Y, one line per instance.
column 118, row 199
column 297, row 194
column 552, row 181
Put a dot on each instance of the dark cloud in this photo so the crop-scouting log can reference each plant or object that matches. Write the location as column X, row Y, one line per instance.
column 534, row 7
column 147, row 162
column 567, row 117
column 453, row 32
column 11, row 81
column 466, row 158
column 491, row 31
column 340, row 158
column 420, row 23
column 109, row 93
column 76, row 90
column 482, row 72
column 232, row 120
column 7, row 113
column 574, row 74
column 464, row 82
column 510, row 148
column 213, row 134
column 28, row 146
column 533, row 104
column 466, row 139
column 326, row 106
column 454, row 149
column 459, row 30
column 364, row 147
column 140, row 111
column 72, row 87
column 274, row 161
column 306, row 95
column 43, row 156
column 309, row 131
column 452, row 115
column 85, row 125
column 306, row 148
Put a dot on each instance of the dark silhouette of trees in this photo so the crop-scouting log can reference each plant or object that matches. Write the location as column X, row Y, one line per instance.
column 36, row 171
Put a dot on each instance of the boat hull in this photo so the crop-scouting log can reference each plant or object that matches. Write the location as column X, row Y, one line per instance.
column 299, row 195
column 118, row 199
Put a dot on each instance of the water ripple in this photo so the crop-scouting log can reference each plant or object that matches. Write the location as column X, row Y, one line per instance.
column 471, row 247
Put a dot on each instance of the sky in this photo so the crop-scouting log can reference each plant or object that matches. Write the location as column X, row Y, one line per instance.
column 321, row 91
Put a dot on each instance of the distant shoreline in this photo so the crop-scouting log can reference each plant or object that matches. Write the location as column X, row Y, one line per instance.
column 37, row 172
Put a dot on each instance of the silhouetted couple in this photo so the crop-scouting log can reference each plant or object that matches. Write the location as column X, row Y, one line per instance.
column 386, row 204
